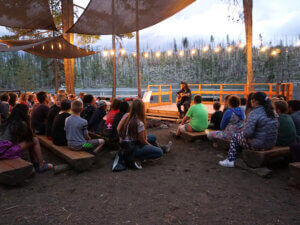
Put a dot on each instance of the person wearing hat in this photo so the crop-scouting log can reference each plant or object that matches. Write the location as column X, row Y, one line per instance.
column 97, row 117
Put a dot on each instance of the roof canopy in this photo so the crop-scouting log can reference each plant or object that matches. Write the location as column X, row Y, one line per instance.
column 26, row 14
column 56, row 47
column 125, row 16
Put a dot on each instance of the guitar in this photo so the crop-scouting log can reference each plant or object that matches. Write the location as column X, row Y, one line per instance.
column 181, row 95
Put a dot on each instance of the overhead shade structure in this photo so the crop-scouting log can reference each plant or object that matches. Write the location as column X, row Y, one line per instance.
column 26, row 14
column 98, row 18
column 57, row 48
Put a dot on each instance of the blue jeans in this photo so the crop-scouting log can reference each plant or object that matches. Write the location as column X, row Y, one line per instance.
column 144, row 152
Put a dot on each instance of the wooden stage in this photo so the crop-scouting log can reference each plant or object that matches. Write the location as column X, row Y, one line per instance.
column 170, row 112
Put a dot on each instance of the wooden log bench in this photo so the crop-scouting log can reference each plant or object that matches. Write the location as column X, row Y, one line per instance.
column 78, row 160
column 15, row 171
column 295, row 174
column 192, row 136
column 257, row 159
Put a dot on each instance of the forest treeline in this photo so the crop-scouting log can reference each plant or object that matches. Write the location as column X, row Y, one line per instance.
column 24, row 71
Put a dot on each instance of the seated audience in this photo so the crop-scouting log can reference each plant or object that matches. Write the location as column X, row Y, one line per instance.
column 232, row 121
column 53, row 111
column 39, row 114
column 81, row 96
column 30, row 100
column 134, row 139
column 248, row 105
column 89, row 107
column 17, row 137
column 225, row 103
column 109, row 118
column 243, row 104
column 294, row 111
column 58, row 132
column 287, row 130
column 77, row 132
column 259, row 131
column 216, row 117
column 97, row 117
column 24, row 98
column 71, row 97
column 13, row 98
column 4, row 107
column 196, row 118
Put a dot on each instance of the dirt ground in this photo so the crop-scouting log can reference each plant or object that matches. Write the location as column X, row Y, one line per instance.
column 186, row 186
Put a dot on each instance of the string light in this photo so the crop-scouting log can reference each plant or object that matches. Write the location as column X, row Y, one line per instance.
column 298, row 43
column 263, row 48
column 229, row 49
column 157, row 54
column 242, row 45
column 193, row 51
column 43, row 47
column 146, row 54
column 112, row 52
column 104, row 53
column 59, row 45
column 134, row 54
column 169, row 53
column 205, row 49
column 181, row 53
column 217, row 50
column 274, row 53
column 123, row 52
column 52, row 47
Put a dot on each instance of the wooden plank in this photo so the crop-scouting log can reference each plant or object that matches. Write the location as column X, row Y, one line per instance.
column 295, row 174
column 192, row 136
column 15, row 171
column 257, row 159
column 161, row 118
column 79, row 160
column 162, row 115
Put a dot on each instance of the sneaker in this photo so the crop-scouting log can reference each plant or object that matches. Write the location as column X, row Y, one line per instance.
column 118, row 165
column 138, row 165
column 173, row 133
column 168, row 147
column 226, row 163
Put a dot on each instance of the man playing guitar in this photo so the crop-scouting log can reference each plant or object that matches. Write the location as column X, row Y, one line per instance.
column 184, row 97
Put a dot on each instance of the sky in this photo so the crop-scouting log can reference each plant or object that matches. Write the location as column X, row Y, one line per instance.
column 274, row 19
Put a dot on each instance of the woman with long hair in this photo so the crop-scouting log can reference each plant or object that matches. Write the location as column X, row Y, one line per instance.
column 185, row 98
column 16, row 136
column 259, row 132
column 248, row 104
column 132, row 132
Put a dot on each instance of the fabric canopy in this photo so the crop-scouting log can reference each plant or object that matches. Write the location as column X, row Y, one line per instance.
column 120, row 16
column 26, row 14
column 56, row 47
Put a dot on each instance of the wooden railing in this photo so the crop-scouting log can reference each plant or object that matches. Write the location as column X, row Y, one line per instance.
column 159, row 93
column 274, row 89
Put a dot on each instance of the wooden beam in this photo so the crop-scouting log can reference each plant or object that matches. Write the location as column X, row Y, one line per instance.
column 67, row 22
column 138, row 68
column 114, row 87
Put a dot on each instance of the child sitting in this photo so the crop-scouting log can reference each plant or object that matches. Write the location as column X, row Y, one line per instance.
column 243, row 104
column 58, row 128
column 216, row 117
column 77, row 133
column 4, row 107
column 39, row 114
column 89, row 108
column 97, row 117
column 287, row 130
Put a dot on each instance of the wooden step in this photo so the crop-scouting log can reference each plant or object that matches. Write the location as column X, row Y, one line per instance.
column 164, row 112
column 192, row 136
column 15, row 171
column 79, row 160
column 162, row 118
column 162, row 115
column 295, row 174
column 257, row 159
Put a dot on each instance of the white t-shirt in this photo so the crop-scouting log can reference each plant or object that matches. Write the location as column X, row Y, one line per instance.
column 141, row 127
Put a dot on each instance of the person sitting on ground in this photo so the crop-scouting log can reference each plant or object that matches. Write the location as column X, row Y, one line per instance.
column 4, row 107
column 17, row 137
column 58, row 132
column 232, row 121
column 281, row 97
column 109, row 118
column 134, row 139
column 259, row 131
column 243, row 104
column 77, row 132
column 30, row 100
column 53, row 111
column 248, row 105
column 24, row 98
column 216, row 117
column 89, row 107
column 61, row 92
column 81, row 96
column 294, row 110
column 71, row 97
column 196, row 119
column 226, row 103
column 13, row 98
column 39, row 114
column 287, row 130
column 185, row 95
column 97, row 117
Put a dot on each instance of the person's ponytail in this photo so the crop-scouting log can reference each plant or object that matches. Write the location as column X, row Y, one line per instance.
column 265, row 101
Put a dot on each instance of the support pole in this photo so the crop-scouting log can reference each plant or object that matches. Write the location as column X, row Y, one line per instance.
column 67, row 22
column 138, row 68
column 114, row 66
column 248, row 7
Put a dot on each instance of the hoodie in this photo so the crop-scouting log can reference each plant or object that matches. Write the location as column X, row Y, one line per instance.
column 228, row 114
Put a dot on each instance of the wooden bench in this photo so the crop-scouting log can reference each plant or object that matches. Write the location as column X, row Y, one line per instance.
column 257, row 159
column 295, row 174
column 15, row 171
column 192, row 136
column 79, row 160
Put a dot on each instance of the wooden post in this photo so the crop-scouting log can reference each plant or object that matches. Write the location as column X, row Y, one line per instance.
column 248, row 6
column 138, row 68
column 67, row 22
column 114, row 66
column 55, row 75
column 221, row 93
column 159, row 94
column 170, row 94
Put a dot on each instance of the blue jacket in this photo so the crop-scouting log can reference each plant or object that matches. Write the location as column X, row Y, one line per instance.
column 227, row 116
column 260, row 130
